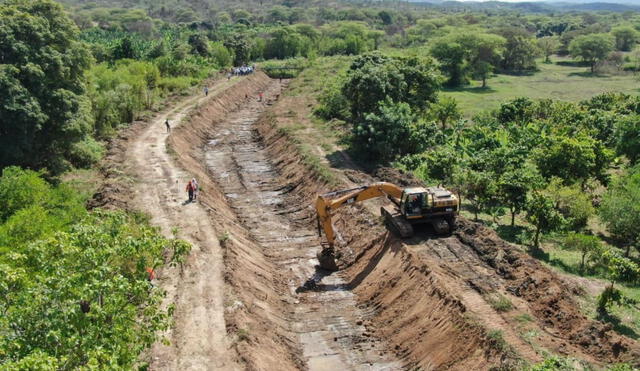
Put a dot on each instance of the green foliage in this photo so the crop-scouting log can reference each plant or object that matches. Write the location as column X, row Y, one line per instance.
column 591, row 48
column 386, row 135
column 43, row 108
column 451, row 56
column 548, row 45
column 627, row 139
column 617, row 268
column 480, row 188
column 374, row 78
column 74, row 287
column 221, row 55
column 286, row 43
column 620, row 208
column 470, row 52
column 553, row 364
column 520, row 51
column 570, row 158
column 445, row 111
column 626, row 37
column 542, row 214
column 514, row 185
column 588, row 246
column 572, row 202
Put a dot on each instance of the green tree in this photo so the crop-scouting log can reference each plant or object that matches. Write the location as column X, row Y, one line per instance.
column 84, row 299
column 626, row 37
column 520, row 51
column 620, row 209
column 569, row 158
column 591, row 48
column 513, row 186
column 572, row 202
column 124, row 50
column 627, row 137
column 587, row 245
column 451, row 55
column 374, row 78
column 44, row 113
column 20, row 189
column 239, row 44
column 386, row 135
column 445, row 111
column 199, row 44
column 221, row 55
column 548, row 45
column 485, row 51
column 542, row 214
column 617, row 268
column 480, row 188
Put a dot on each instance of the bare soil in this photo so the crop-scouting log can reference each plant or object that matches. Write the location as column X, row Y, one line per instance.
column 252, row 297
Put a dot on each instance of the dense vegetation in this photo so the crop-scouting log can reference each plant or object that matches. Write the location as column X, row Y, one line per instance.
column 74, row 285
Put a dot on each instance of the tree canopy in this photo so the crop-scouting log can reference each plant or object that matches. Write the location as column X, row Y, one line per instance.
column 45, row 115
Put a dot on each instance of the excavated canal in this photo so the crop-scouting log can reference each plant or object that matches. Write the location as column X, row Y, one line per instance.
column 328, row 324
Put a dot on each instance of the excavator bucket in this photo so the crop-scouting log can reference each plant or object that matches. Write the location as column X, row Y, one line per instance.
column 327, row 259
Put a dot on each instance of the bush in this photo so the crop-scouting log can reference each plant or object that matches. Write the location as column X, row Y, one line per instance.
column 86, row 153
column 176, row 84
column 333, row 104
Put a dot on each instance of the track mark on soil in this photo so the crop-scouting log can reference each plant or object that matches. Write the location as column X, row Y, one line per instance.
column 329, row 325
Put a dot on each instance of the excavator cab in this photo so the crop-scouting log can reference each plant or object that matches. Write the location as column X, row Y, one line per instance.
column 413, row 202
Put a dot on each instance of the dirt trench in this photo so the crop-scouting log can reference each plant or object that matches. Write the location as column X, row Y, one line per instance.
column 327, row 324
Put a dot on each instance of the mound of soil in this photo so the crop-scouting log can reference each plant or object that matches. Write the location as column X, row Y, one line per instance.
column 550, row 299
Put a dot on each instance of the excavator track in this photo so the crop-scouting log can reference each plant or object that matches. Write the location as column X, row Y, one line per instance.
column 396, row 221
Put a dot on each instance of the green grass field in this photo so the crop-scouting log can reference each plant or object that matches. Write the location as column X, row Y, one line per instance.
column 556, row 81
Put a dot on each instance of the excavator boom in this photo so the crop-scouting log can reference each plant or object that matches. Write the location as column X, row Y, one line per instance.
column 328, row 202
column 415, row 205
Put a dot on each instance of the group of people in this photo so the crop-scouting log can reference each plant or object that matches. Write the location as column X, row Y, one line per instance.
column 192, row 189
column 241, row 71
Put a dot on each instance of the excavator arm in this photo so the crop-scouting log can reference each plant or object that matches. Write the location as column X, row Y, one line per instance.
column 327, row 203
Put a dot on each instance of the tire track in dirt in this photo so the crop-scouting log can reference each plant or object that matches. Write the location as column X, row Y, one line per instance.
column 326, row 319
column 198, row 338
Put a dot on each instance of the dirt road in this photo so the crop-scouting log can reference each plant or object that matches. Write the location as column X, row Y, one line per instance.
column 198, row 339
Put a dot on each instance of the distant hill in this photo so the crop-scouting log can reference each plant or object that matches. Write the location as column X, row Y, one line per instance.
column 538, row 6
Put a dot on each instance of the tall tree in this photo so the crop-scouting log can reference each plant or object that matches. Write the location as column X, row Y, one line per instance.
column 591, row 48
column 620, row 209
column 548, row 45
column 374, row 78
column 44, row 114
column 520, row 50
column 514, row 185
column 451, row 55
column 626, row 37
column 542, row 214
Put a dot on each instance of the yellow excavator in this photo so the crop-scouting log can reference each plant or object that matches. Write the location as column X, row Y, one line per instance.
column 414, row 205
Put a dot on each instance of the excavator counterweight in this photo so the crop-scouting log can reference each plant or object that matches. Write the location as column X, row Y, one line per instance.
column 415, row 205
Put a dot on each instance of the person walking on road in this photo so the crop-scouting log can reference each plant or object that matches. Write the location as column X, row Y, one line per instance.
column 194, row 184
column 166, row 123
column 190, row 190
column 206, row 91
column 260, row 97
